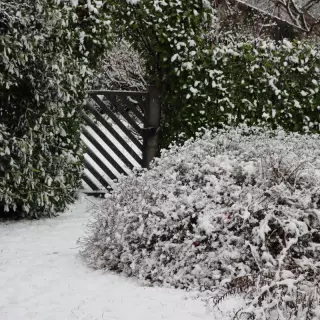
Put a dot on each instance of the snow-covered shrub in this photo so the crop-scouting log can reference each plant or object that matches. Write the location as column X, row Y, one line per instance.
column 256, row 82
column 171, row 37
column 225, row 205
column 44, row 73
column 121, row 68
column 209, row 81
column 270, row 83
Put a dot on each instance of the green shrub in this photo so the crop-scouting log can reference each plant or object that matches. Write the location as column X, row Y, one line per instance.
column 44, row 73
column 274, row 84
column 257, row 83
column 170, row 36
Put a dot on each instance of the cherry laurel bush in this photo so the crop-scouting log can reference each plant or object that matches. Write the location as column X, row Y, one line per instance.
column 229, row 212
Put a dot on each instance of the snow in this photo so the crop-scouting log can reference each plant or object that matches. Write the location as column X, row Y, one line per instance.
column 43, row 278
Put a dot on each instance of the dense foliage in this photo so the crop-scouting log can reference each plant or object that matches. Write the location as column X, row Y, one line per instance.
column 257, row 83
column 170, row 36
column 209, row 80
column 121, row 68
column 234, row 211
column 44, row 72
column 47, row 52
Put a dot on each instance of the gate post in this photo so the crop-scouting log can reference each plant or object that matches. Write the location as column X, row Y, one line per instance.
column 151, row 126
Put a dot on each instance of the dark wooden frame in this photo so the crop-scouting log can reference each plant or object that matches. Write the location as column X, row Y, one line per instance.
column 146, row 112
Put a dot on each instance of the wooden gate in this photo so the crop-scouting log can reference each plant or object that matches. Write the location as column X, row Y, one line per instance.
column 120, row 132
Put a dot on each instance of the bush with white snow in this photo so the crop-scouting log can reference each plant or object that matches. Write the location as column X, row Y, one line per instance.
column 229, row 211
column 47, row 52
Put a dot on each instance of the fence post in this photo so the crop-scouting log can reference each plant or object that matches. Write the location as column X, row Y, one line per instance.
column 151, row 126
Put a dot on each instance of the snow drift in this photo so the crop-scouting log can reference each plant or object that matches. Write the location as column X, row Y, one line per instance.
column 229, row 211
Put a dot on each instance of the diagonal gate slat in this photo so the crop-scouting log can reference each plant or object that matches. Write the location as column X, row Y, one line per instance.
column 118, row 106
column 118, row 122
column 125, row 100
column 96, row 174
column 114, row 133
column 88, row 181
column 100, row 163
column 113, row 147
column 142, row 101
column 108, row 142
column 102, row 151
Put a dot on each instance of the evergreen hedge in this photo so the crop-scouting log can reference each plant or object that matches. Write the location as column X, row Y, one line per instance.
column 257, row 83
column 207, row 81
column 44, row 73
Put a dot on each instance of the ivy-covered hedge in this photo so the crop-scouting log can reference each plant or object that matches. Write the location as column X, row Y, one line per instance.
column 170, row 36
column 206, row 81
column 257, row 83
column 44, row 73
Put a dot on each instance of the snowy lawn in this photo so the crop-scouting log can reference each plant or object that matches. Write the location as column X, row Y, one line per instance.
column 42, row 278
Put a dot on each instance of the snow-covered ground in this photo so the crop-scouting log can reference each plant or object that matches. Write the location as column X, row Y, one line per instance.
column 43, row 278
